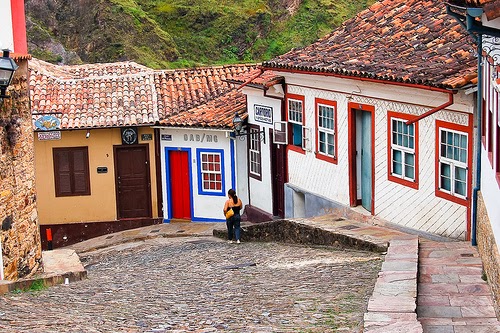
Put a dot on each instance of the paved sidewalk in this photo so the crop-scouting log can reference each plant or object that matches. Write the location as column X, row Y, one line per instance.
column 452, row 296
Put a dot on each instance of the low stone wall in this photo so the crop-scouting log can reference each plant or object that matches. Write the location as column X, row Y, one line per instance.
column 290, row 232
column 19, row 236
column 488, row 250
column 392, row 306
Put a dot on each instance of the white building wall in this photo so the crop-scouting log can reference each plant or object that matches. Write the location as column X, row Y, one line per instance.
column 205, row 207
column 261, row 190
column 490, row 190
column 420, row 209
column 490, row 187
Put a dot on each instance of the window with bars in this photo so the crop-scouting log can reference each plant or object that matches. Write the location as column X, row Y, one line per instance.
column 71, row 171
column 295, row 106
column 453, row 158
column 254, row 153
column 210, row 166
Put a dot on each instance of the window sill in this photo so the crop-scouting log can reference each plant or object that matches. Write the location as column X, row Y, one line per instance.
column 296, row 149
column 325, row 158
column 404, row 182
column 452, row 198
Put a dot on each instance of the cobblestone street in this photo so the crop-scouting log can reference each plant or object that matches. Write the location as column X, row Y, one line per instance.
column 203, row 284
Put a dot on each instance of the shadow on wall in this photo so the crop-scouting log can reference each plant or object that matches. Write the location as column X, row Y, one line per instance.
column 300, row 203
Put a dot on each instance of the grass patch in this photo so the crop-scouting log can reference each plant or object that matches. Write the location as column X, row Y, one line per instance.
column 37, row 285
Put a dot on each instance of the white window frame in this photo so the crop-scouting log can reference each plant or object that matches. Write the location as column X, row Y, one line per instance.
column 280, row 133
column 296, row 113
column 326, row 130
column 404, row 151
column 294, row 120
column 306, row 138
column 254, row 154
column 453, row 163
column 211, row 172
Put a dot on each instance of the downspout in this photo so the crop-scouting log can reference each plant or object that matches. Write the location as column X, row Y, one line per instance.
column 261, row 71
column 479, row 108
column 475, row 31
column 434, row 110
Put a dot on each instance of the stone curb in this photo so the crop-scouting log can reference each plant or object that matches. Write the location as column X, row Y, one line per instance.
column 392, row 306
column 298, row 233
column 48, row 281
column 60, row 266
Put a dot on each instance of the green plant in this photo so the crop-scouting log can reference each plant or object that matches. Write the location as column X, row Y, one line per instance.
column 37, row 285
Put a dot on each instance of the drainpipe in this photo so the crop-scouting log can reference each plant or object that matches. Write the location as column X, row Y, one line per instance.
column 436, row 109
column 479, row 108
column 476, row 30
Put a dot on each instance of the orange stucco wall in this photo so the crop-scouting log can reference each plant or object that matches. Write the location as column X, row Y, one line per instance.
column 100, row 206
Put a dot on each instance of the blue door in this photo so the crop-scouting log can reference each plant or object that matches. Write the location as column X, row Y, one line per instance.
column 366, row 160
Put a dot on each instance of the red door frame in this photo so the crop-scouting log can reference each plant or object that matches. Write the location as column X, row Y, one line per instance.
column 351, row 121
column 186, row 208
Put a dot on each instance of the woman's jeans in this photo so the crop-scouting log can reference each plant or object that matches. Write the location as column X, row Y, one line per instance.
column 233, row 223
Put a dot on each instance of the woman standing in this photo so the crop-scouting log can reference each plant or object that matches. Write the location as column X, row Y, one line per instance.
column 233, row 222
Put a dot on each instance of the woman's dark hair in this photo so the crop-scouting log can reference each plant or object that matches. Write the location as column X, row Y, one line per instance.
column 232, row 193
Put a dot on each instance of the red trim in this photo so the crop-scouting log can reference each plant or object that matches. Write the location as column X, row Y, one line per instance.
column 292, row 147
column 405, row 182
column 19, row 26
column 498, row 153
column 351, row 152
column 351, row 121
column 400, row 84
column 465, row 129
column 319, row 155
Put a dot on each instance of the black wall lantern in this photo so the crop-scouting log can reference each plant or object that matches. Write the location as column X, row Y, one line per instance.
column 7, row 68
column 238, row 127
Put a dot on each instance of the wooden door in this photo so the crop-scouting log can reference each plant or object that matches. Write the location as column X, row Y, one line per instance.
column 180, row 188
column 278, row 167
column 361, row 155
column 133, row 186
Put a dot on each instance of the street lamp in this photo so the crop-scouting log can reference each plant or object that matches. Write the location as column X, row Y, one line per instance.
column 238, row 127
column 7, row 69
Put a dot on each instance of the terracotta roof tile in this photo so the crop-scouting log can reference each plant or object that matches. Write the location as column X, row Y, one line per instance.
column 410, row 41
column 217, row 113
column 258, row 78
column 124, row 93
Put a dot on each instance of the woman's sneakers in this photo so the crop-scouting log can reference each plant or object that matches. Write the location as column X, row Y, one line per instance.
column 232, row 242
column 238, row 241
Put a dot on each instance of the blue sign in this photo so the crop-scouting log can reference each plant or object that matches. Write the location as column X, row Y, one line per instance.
column 47, row 123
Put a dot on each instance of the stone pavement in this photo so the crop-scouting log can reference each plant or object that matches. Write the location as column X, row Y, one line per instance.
column 451, row 297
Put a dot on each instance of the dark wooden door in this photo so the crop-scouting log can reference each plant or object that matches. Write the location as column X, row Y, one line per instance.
column 180, row 201
column 133, row 186
column 278, row 165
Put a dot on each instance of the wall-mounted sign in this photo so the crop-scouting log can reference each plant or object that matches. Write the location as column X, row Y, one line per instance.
column 47, row 136
column 129, row 136
column 166, row 137
column 262, row 113
column 146, row 137
column 201, row 137
column 47, row 123
column 102, row 169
